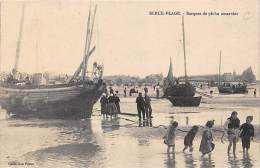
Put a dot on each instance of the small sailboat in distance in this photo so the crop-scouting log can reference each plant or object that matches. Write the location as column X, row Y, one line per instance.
column 230, row 87
column 180, row 94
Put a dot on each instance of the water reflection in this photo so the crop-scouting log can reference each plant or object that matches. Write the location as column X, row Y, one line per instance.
column 247, row 162
column 207, row 162
column 233, row 162
column 63, row 143
column 146, row 123
column 110, row 124
column 144, row 141
column 170, row 162
column 68, row 154
column 189, row 160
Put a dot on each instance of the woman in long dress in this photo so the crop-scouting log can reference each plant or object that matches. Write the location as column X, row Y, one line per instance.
column 206, row 145
column 111, row 107
column 169, row 138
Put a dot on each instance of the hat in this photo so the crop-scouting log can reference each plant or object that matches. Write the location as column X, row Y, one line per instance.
column 234, row 113
column 174, row 123
column 250, row 117
column 210, row 123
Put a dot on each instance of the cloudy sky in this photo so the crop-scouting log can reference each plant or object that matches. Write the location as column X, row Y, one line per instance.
column 129, row 40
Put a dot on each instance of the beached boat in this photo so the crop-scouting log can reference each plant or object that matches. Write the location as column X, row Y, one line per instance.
column 180, row 94
column 73, row 99
column 230, row 87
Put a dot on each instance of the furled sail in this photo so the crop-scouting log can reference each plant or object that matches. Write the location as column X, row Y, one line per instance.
column 170, row 77
column 19, row 42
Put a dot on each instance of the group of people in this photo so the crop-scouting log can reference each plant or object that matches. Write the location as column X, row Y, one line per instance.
column 110, row 105
column 144, row 107
column 232, row 128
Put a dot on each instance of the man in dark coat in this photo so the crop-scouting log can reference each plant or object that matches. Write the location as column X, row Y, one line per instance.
column 140, row 106
column 117, row 101
column 148, row 107
column 125, row 92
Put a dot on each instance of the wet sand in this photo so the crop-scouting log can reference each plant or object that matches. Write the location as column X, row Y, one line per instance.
column 124, row 142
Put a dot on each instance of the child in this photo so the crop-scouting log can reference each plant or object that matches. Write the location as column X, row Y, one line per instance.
column 169, row 138
column 206, row 145
column 189, row 138
column 104, row 102
column 246, row 132
column 231, row 127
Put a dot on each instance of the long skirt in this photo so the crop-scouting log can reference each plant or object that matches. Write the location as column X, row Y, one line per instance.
column 111, row 108
column 104, row 109
column 206, row 145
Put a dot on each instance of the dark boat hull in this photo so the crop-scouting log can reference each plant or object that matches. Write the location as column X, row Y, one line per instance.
column 180, row 90
column 185, row 101
column 230, row 90
column 73, row 102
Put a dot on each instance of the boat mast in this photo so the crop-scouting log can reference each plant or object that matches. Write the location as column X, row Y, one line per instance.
column 19, row 41
column 88, row 43
column 184, row 49
column 0, row 36
column 79, row 69
column 219, row 70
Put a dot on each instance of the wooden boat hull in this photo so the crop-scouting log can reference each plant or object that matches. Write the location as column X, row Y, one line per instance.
column 180, row 90
column 74, row 102
column 185, row 101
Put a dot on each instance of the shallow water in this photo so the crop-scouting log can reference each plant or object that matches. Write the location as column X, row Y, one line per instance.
column 121, row 142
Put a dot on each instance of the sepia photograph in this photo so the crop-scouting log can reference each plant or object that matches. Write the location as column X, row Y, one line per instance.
column 129, row 84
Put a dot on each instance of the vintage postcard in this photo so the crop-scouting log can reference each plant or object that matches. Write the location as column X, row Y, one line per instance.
column 133, row 84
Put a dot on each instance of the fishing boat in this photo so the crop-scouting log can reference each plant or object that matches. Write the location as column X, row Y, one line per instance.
column 230, row 87
column 180, row 94
column 73, row 99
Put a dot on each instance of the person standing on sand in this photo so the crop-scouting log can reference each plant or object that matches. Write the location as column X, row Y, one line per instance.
column 140, row 103
column 206, row 145
column 145, row 89
column 117, row 102
column 169, row 138
column 103, row 102
column 157, row 91
column 148, row 107
column 111, row 107
column 125, row 92
column 246, row 134
column 231, row 126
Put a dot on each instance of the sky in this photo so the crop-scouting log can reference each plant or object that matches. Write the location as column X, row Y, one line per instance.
column 128, row 40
